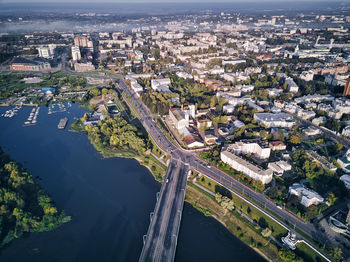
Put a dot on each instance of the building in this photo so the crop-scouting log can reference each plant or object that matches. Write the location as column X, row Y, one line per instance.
column 161, row 85
column 46, row 51
column 136, row 87
column 193, row 141
column 76, row 53
column 319, row 120
column 256, row 147
column 277, row 145
column 241, row 165
column 94, row 118
column 23, row 64
column 83, row 67
column 322, row 160
column 307, row 196
column 83, row 41
column 179, row 118
column 346, row 180
column 279, row 167
column 347, row 88
column 274, row 120
column 293, row 87
column 346, row 131
column 307, row 75
column 312, row 131
column 184, row 75
column 344, row 162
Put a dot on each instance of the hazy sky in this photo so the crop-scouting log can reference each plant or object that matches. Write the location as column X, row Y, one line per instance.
column 153, row 1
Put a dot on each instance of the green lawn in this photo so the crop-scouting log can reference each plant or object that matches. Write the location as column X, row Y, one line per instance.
column 249, row 210
column 308, row 254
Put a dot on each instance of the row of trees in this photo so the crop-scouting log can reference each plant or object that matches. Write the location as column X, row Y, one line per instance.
column 24, row 206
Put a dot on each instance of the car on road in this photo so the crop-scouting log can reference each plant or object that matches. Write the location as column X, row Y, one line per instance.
column 208, row 166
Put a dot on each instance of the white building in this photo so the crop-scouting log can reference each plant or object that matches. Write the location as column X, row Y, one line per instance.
column 346, row 180
column 307, row 196
column 279, row 167
column 241, row 165
column 179, row 118
column 46, row 51
column 136, row 87
column 184, row 75
column 305, row 114
column 319, row 120
column 307, row 75
column 312, row 131
column 161, row 85
column 274, row 120
column 246, row 147
column 293, row 87
column 76, row 53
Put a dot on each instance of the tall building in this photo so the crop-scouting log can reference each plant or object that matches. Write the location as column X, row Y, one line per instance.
column 83, row 41
column 347, row 88
column 46, row 51
column 76, row 53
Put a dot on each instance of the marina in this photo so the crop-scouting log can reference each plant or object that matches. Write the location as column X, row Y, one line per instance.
column 11, row 112
column 58, row 107
column 32, row 119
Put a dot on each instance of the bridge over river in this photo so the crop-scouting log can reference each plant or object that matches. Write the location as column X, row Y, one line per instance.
column 161, row 239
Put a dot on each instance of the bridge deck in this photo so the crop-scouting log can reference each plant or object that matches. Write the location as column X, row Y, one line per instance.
column 160, row 244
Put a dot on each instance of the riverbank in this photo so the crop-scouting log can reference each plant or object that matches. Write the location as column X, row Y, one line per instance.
column 232, row 221
column 147, row 159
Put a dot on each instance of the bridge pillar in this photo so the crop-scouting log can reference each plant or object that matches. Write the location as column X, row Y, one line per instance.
column 151, row 216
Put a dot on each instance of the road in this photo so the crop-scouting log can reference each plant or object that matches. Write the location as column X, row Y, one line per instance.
column 161, row 240
column 217, row 175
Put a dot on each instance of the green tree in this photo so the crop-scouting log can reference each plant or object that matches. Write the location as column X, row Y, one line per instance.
column 294, row 139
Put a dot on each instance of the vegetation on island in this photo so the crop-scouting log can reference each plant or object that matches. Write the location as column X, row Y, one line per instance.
column 24, row 205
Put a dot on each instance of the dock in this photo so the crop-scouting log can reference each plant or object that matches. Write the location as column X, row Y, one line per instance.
column 63, row 122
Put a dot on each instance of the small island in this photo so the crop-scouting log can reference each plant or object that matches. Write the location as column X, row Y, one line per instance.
column 24, row 206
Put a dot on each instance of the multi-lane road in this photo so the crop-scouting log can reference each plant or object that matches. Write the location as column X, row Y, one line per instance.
column 161, row 239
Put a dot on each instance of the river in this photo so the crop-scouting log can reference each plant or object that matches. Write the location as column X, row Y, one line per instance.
column 109, row 200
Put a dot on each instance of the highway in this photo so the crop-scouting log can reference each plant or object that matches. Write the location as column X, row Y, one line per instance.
column 161, row 239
